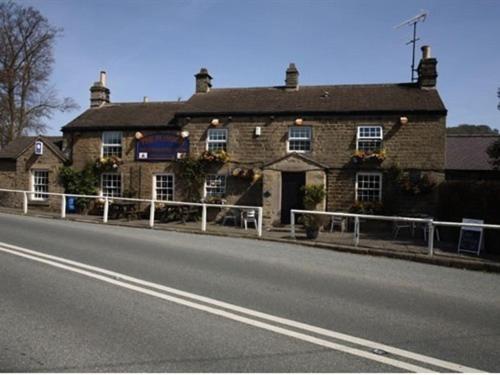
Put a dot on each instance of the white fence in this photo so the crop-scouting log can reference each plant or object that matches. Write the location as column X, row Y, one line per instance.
column 107, row 200
column 429, row 222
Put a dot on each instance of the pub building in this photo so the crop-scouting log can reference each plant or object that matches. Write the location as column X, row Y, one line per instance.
column 263, row 144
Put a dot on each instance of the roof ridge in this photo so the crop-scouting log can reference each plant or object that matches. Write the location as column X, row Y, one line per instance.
column 409, row 84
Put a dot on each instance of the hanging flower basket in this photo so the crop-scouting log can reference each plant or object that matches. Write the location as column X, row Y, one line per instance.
column 219, row 156
column 108, row 164
column 250, row 174
column 360, row 157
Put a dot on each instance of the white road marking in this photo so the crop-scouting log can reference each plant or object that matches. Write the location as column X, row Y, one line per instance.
column 351, row 339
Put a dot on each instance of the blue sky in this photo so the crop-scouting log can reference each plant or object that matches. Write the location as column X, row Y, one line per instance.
column 153, row 48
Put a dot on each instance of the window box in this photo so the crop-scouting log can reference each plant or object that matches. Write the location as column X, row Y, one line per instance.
column 377, row 156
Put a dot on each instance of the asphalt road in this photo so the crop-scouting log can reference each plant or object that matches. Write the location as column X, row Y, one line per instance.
column 56, row 316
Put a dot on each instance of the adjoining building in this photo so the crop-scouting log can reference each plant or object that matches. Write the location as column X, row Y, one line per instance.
column 352, row 139
column 467, row 158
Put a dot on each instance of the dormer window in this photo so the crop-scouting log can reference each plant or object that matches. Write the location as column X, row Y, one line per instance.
column 299, row 139
column 369, row 138
column 111, row 144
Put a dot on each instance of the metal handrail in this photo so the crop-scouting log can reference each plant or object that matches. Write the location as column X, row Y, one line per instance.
column 153, row 202
column 429, row 222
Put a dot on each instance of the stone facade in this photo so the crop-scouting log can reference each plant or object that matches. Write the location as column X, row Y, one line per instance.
column 18, row 174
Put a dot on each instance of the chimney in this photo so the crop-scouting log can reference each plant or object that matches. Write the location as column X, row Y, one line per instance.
column 427, row 73
column 145, row 99
column 292, row 77
column 203, row 81
column 99, row 93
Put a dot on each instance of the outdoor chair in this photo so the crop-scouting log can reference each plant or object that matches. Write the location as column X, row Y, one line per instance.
column 338, row 221
column 398, row 225
column 248, row 216
column 233, row 215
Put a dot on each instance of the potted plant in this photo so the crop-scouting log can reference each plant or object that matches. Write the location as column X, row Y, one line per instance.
column 313, row 196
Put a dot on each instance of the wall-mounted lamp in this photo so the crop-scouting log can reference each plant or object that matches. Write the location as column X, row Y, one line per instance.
column 139, row 135
column 299, row 121
column 258, row 131
column 403, row 120
column 184, row 134
column 215, row 122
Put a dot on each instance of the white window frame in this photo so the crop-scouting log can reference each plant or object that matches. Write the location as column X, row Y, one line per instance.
column 374, row 138
column 290, row 139
column 356, row 187
column 33, row 196
column 224, row 186
column 216, row 141
column 103, row 144
column 101, row 193
column 155, row 187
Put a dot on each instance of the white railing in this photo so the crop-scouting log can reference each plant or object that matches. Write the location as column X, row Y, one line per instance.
column 152, row 202
column 429, row 222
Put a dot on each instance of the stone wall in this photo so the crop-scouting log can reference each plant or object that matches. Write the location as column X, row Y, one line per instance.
column 418, row 145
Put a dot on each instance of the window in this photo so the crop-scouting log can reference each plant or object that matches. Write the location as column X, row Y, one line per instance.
column 216, row 139
column 368, row 187
column 40, row 185
column 111, row 144
column 299, row 139
column 369, row 138
column 163, row 187
column 111, row 185
column 215, row 185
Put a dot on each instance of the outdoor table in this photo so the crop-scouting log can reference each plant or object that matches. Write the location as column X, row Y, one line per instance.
column 122, row 209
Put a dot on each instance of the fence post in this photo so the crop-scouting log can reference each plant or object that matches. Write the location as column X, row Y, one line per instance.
column 259, row 223
column 25, row 203
column 204, row 217
column 152, row 214
column 63, row 206
column 106, row 210
column 356, row 231
column 292, row 224
column 431, row 237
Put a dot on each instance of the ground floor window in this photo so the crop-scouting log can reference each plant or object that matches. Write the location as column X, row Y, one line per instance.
column 40, row 185
column 111, row 184
column 368, row 187
column 163, row 187
column 215, row 185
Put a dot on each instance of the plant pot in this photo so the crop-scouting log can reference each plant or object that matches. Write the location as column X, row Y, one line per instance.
column 312, row 233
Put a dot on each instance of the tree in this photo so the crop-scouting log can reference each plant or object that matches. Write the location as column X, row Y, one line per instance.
column 471, row 129
column 494, row 153
column 26, row 59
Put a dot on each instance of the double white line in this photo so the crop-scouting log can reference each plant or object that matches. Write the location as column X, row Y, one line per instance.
column 367, row 349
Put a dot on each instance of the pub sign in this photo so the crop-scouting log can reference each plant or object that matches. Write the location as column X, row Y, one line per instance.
column 160, row 146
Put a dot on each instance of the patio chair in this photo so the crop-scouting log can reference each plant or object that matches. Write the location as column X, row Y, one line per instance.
column 248, row 216
column 398, row 225
column 233, row 215
column 338, row 221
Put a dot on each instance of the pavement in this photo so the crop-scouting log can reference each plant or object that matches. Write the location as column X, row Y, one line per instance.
column 57, row 320
column 406, row 247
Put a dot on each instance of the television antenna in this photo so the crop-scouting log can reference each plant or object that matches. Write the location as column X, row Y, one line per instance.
column 413, row 22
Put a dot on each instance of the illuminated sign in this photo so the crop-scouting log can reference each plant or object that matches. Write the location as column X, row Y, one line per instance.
column 161, row 145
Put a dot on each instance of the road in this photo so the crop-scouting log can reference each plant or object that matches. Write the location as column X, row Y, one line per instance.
column 91, row 298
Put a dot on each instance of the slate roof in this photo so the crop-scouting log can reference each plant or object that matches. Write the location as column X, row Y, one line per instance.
column 403, row 97
column 15, row 148
column 126, row 115
column 468, row 152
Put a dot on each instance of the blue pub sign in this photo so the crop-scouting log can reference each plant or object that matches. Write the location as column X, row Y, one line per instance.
column 160, row 145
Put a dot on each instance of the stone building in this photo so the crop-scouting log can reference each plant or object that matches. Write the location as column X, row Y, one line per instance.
column 349, row 138
column 32, row 164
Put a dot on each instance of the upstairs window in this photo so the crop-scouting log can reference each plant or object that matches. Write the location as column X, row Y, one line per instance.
column 111, row 144
column 369, row 187
column 215, row 185
column 369, row 138
column 216, row 139
column 40, row 185
column 299, row 139
column 111, row 185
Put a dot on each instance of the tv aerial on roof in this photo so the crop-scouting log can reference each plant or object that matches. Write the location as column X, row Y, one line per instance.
column 413, row 22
